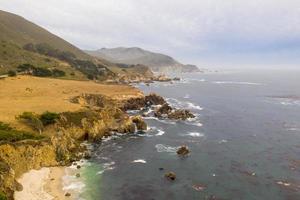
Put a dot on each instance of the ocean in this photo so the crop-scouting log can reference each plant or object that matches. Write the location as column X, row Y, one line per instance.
column 244, row 142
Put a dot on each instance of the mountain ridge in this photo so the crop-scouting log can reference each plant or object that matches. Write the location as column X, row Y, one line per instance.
column 158, row 62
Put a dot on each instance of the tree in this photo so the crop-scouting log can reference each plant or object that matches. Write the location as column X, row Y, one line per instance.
column 48, row 118
column 32, row 120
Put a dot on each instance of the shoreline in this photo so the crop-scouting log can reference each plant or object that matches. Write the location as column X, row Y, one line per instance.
column 43, row 184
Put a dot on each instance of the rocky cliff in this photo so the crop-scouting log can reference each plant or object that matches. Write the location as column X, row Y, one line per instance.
column 101, row 117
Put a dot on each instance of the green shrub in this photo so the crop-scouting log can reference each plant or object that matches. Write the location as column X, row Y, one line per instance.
column 2, row 196
column 48, row 118
column 12, row 73
column 15, row 135
column 5, row 127
column 32, row 120
column 58, row 73
column 25, row 68
column 41, row 72
column 8, row 134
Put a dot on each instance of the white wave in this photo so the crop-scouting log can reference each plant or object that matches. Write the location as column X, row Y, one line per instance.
column 195, row 134
column 183, row 105
column 222, row 141
column 100, row 172
column 235, row 82
column 74, row 186
column 160, row 120
column 193, row 106
column 160, row 133
column 109, row 166
column 139, row 161
column 187, row 96
column 165, row 148
column 290, row 103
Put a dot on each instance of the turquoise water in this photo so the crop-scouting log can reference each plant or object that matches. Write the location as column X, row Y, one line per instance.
column 245, row 143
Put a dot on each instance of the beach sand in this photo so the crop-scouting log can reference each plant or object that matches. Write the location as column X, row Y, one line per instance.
column 43, row 184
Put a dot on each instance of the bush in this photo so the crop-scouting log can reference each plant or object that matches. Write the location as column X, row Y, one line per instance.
column 25, row 68
column 5, row 127
column 12, row 73
column 8, row 134
column 58, row 73
column 2, row 196
column 32, row 120
column 41, row 72
column 48, row 118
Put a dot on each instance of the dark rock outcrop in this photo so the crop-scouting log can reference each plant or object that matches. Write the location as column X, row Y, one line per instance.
column 183, row 151
column 140, row 123
column 142, row 102
column 165, row 109
column 170, row 176
column 180, row 115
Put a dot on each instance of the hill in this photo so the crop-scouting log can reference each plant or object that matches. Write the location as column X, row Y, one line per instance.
column 134, row 55
column 25, row 43
column 20, row 31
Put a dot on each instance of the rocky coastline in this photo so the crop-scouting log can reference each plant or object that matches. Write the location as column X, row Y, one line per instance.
column 100, row 117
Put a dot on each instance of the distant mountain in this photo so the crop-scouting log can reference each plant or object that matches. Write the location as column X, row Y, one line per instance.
column 156, row 61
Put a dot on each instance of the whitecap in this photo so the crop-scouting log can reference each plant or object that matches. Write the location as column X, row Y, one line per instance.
column 139, row 161
column 223, row 141
column 109, row 166
column 160, row 132
column 100, row 172
column 160, row 120
column 187, row 96
column 235, row 82
column 195, row 134
column 165, row 148
column 183, row 105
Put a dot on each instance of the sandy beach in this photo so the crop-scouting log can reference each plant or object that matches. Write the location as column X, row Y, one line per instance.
column 43, row 184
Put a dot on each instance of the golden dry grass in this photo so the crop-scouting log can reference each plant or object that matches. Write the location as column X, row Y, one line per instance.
column 27, row 93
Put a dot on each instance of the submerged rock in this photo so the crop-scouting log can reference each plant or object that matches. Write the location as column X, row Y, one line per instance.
column 183, row 151
column 171, row 176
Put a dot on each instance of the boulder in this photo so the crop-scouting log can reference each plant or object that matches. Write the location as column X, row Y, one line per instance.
column 139, row 122
column 67, row 194
column 165, row 109
column 154, row 99
column 181, row 114
column 183, row 151
column 170, row 176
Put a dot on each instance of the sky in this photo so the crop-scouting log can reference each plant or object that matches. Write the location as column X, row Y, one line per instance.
column 209, row 33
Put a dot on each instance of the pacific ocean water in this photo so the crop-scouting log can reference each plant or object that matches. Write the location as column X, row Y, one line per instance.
column 244, row 142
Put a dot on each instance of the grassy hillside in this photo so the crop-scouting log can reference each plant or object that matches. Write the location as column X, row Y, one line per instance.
column 20, row 31
column 23, row 42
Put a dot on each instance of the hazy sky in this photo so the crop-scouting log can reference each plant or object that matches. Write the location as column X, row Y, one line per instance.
column 204, row 32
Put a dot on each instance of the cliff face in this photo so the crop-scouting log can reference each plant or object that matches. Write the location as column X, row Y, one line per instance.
column 101, row 117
